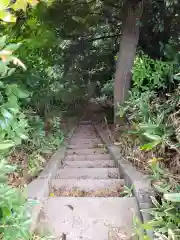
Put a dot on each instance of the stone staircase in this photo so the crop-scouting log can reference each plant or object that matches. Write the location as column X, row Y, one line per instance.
column 86, row 199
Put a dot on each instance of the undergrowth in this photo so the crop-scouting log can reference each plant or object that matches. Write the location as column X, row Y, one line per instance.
column 31, row 157
column 152, row 140
column 28, row 138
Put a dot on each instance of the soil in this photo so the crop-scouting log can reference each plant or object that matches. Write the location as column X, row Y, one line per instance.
column 76, row 192
column 20, row 176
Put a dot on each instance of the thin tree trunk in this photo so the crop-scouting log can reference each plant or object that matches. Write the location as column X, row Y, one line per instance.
column 128, row 45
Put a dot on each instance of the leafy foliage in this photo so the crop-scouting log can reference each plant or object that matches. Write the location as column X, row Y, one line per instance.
column 13, row 221
column 154, row 118
column 16, row 127
column 150, row 74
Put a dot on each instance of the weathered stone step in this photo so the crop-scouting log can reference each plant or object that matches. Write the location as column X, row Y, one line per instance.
column 76, row 157
column 85, row 122
column 85, row 127
column 89, row 218
column 85, row 131
column 84, row 141
column 84, row 138
column 84, row 146
column 85, row 173
column 87, row 151
column 90, row 164
column 88, row 187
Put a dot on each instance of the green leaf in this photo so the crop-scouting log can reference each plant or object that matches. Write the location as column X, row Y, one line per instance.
column 177, row 76
column 152, row 136
column 12, row 47
column 6, row 114
column 7, row 16
column 10, row 71
column 149, row 146
column 3, row 41
column 6, row 144
column 4, row 4
column 19, row 4
column 6, row 212
column 173, row 197
column 3, row 69
column 1, row 84
column 148, row 126
column 161, row 189
column 19, row 93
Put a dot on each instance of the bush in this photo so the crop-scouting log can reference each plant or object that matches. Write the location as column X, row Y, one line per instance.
column 154, row 140
column 152, row 75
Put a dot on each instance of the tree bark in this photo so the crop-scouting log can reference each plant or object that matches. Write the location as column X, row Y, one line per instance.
column 128, row 44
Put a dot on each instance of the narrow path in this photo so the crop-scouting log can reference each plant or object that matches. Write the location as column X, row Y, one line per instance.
column 86, row 201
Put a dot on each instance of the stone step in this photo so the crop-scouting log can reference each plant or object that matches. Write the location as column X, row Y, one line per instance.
column 85, row 126
column 85, row 133
column 85, row 137
column 84, row 141
column 83, row 146
column 90, row 164
column 89, row 218
column 87, row 151
column 85, row 173
column 85, row 122
column 76, row 157
column 87, row 187
column 85, row 130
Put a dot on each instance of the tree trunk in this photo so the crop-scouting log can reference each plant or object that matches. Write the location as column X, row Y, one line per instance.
column 128, row 45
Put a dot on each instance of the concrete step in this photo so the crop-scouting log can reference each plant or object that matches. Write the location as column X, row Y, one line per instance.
column 87, row 187
column 85, row 122
column 85, row 132
column 85, row 126
column 86, row 137
column 84, row 141
column 90, row 164
column 89, row 218
column 95, row 157
column 85, row 173
column 83, row 146
column 87, row 151
column 78, row 145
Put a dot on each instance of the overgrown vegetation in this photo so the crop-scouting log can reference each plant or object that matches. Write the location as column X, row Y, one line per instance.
column 28, row 135
column 152, row 140
column 55, row 57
